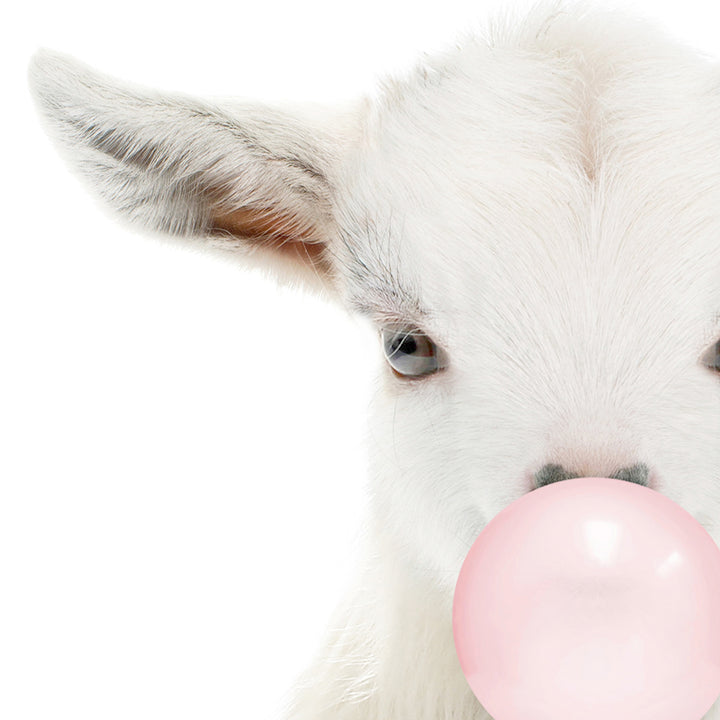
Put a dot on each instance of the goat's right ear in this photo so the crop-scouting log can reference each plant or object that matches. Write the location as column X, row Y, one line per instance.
column 254, row 179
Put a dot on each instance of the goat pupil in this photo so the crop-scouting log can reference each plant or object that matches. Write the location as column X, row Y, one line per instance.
column 407, row 345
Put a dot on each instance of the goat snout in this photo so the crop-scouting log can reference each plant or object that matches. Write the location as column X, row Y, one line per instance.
column 550, row 473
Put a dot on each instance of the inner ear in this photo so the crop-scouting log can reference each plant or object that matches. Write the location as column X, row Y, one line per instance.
column 273, row 229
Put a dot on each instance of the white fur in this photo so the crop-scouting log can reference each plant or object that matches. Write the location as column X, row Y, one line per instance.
column 544, row 202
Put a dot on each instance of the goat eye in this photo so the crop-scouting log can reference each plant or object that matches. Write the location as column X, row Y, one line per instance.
column 411, row 353
column 711, row 357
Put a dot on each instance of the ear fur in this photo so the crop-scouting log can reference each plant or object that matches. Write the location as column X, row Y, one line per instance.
column 251, row 178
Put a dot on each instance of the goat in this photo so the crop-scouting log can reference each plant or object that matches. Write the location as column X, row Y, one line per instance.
column 531, row 221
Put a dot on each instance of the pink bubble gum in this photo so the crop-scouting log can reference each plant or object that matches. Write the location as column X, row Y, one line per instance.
column 591, row 599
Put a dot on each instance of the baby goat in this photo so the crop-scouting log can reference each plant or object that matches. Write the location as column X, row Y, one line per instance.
column 532, row 220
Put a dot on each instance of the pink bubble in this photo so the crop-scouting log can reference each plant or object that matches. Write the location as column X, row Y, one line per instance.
column 592, row 599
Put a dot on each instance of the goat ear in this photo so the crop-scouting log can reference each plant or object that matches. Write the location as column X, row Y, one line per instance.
column 253, row 178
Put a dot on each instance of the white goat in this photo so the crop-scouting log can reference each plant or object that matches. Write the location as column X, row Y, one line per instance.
column 533, row 222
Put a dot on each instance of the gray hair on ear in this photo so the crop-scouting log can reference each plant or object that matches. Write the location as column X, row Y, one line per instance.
column 249, row 177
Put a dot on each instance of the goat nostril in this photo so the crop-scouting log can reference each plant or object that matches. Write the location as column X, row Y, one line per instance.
column 551, row 473
column 638, row 474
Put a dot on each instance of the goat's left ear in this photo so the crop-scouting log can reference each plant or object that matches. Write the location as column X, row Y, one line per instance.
column 255, row 179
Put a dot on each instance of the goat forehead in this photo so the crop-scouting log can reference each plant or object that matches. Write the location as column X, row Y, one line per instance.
column 556, row 242
column 527, row 178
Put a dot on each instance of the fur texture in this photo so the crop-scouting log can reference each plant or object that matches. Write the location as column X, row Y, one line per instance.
column 543, row 202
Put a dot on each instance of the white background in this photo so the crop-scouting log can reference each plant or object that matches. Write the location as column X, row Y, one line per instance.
column 181, row 457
